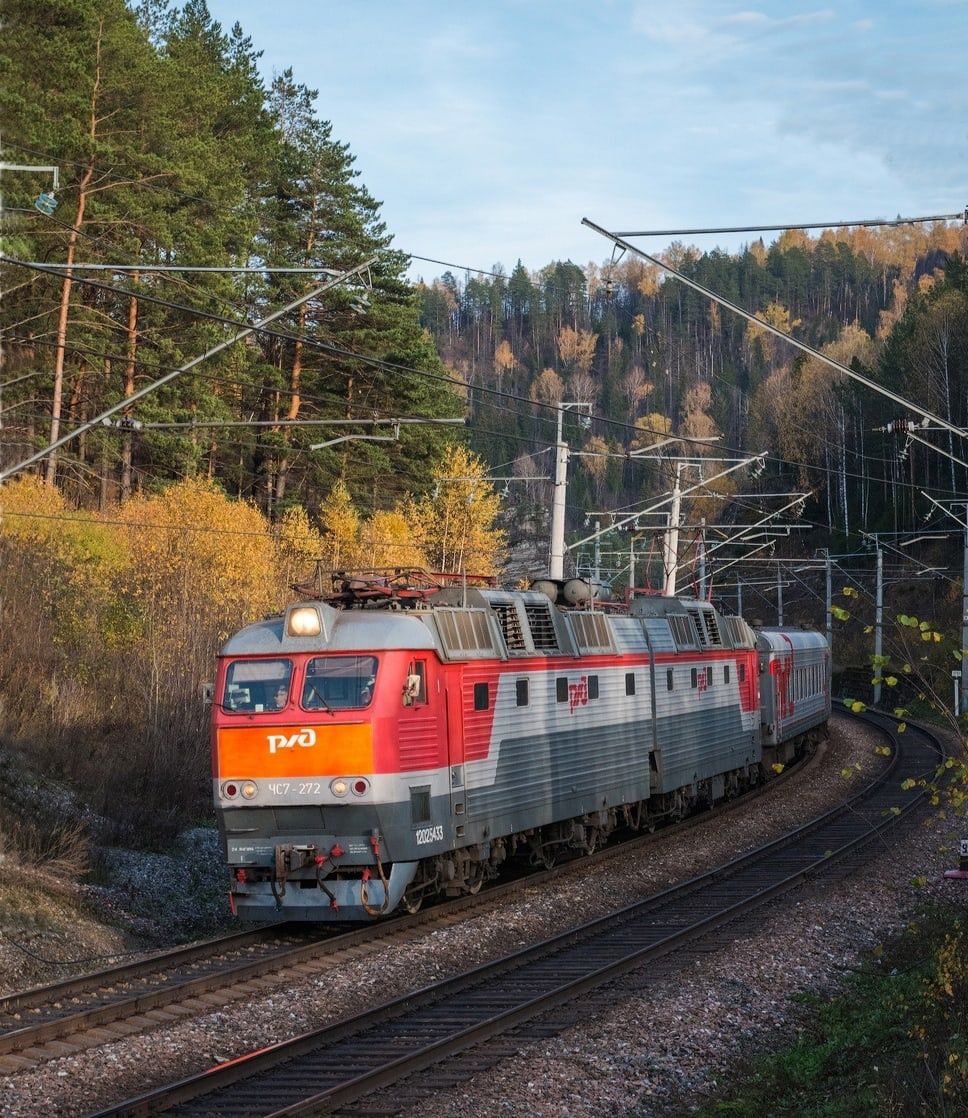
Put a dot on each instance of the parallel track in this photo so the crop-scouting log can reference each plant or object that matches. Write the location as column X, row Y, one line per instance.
column 46, row 1022
column 329, row 1069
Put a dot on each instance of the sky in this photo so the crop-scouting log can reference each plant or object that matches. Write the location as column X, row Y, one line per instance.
column 488, row 131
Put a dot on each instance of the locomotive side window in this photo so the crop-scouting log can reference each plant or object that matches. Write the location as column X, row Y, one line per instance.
column 561, row 689
column 694, row 680
column 522, row 694
column 252, row 686
column 630, row 683
column 481, row 697
column 593, row 687
column 415, row 685
column 725, row 673
column 742, row 673
column 709, row 675
column 670, row 679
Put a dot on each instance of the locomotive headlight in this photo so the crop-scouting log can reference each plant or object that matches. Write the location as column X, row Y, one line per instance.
column 249, row 789
column 339, row 787
column 304, row 622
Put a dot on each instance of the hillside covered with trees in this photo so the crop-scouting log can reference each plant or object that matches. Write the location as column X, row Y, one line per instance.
column 207, row 332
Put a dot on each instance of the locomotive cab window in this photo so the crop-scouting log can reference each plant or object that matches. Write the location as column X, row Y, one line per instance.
column 253, row 686
column 339, row 682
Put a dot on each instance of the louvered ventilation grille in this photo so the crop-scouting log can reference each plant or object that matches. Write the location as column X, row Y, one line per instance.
column 543, row 635
column 511, row 627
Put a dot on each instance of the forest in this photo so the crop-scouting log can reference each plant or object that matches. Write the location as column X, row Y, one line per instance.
column 216, row 375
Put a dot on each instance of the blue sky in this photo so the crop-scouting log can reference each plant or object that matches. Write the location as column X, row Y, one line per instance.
column 488, row 131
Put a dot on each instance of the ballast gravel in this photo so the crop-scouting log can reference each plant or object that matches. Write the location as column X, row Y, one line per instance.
column 656, row 1048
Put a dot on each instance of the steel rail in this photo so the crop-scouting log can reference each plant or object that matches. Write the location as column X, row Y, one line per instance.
column 329, row 1068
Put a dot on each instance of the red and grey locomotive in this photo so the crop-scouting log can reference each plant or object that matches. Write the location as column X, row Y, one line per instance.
column 403, row 737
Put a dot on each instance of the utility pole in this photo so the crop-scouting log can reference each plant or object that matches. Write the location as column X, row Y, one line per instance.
column 556, row 563
column 670, row 547
column 878, row 622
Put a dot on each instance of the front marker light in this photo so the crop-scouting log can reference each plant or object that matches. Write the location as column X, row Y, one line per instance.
column 339, row 787
column 249, row 789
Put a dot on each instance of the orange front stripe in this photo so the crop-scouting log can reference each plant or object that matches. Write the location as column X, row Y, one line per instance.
column 269, row 751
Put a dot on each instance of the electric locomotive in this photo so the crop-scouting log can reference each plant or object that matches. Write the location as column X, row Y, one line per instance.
column 402, row 737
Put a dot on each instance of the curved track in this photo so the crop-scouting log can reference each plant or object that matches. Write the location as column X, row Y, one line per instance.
column 327, row 1070
column 50, row 1021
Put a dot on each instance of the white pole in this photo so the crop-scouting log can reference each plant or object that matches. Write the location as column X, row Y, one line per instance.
column 556, row 565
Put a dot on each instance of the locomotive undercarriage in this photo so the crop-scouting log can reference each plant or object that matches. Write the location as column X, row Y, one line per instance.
column 463, row 872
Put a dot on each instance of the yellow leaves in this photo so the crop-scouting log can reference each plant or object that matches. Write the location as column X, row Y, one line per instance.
column 196, row 554
column 455, row 526
column 840, row 613
column 777, row 767
column 341, row 529
column 577, row 348
column 32, row 509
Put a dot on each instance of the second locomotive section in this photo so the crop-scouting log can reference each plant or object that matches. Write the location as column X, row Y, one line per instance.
column 366, row 758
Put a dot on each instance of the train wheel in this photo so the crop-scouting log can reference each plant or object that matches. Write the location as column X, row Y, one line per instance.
column 411, row 905
column 474, row 881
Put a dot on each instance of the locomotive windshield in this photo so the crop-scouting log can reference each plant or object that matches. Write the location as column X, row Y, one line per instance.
column 257, row 685
column 333, row 682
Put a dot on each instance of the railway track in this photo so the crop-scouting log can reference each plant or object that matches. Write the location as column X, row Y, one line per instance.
column 329, row 1070
column 52, row 1021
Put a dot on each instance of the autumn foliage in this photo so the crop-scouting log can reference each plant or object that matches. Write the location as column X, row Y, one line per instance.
column 113, row 621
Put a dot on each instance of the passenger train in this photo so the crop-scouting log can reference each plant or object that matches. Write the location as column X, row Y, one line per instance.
column 402, row 735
